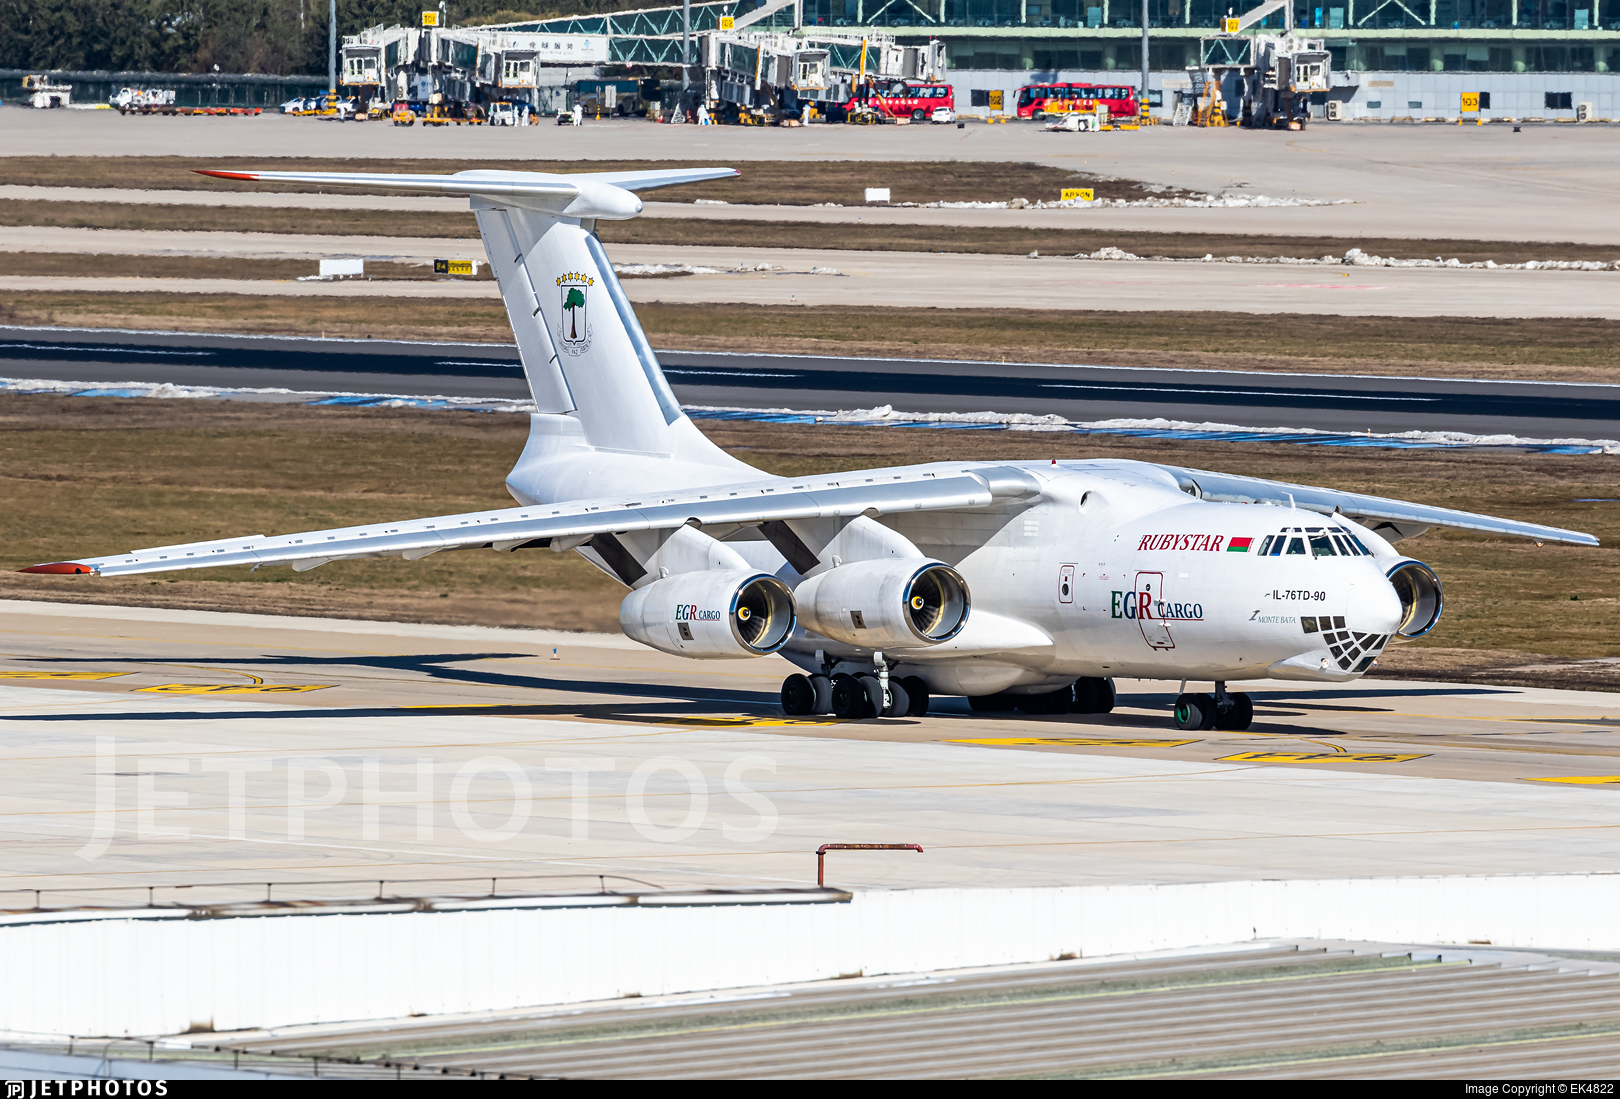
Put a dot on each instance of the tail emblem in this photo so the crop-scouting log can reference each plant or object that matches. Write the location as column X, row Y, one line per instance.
column 575, row 330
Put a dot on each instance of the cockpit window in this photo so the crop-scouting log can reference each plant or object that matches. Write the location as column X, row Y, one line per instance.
column 1296, row 545
column 1322, row 546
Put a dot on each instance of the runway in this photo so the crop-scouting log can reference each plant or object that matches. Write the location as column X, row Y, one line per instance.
column 153, row 750
column 1329, row 402
column 1081, row 393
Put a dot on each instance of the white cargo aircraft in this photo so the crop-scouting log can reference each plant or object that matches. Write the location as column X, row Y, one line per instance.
column 1022, row 585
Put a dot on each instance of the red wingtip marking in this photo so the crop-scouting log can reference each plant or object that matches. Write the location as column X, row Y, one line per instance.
column 225, row 175
column 60, row 568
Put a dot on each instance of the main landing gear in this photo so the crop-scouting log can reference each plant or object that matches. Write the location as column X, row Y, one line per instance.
column 852, row 697
column 1232, row 712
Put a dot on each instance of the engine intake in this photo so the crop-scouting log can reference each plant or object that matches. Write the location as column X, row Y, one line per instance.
column 710, row 615
column 890, row 603
column 1422, row 597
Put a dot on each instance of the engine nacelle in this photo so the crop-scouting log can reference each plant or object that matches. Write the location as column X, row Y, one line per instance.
column 885, row 604
column 1422, row 596
column 710, row 615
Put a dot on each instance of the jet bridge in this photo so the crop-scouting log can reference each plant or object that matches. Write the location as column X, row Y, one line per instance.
column 1266, row 78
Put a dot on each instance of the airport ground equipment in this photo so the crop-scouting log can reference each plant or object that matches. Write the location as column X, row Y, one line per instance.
column 1035, row 582
column 764, row 62
column 44, row 94
column 1269, row 78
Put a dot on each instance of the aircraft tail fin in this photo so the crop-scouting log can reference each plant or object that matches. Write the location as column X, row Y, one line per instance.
column 583, row 350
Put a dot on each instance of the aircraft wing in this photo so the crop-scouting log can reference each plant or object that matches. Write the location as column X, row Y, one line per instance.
column 575, row 522
column 1376, row 512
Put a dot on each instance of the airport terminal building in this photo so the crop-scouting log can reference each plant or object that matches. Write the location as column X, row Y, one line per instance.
column 1391, row 58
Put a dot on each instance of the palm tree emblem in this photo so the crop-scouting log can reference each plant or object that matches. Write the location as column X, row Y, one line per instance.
column 573, row 302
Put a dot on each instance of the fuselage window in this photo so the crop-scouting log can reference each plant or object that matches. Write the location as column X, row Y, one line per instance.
column 1296, row 545
column 1265, row 547
column 1322, row 546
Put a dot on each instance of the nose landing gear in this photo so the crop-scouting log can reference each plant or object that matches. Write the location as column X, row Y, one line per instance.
column 1231, row 712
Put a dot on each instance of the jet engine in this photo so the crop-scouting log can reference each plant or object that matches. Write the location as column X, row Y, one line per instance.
column 886, row 603
column 710, row 615
column 1422, row 596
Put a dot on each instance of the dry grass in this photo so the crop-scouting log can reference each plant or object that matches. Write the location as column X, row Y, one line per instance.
column 768, row 183
column 96, row 265
column 1551, row 349
column 959, row 239
column 95, row 475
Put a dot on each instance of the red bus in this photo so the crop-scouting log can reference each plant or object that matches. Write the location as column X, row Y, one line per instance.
column 909, row 99
column 1032, row 100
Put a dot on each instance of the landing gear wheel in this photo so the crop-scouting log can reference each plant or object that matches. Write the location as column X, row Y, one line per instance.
column 899, row 699
column 823, row 688
column 1093, row 696
column 874, row 695
column 917, row 693
column 848, row 697
column 798, row 696
column 1239, row 714
column 999, row 703
column 1060, row 701
column 1195, row 712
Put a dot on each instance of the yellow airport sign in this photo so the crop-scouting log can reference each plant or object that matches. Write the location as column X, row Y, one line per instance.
column 60, row 675
column 1230, row 25
column 1075, row 742
column 728, row 22
column 1079, row 194
column 235, row 688
column 995, row 99
column 454, row 267
column 1322, row 757
column 430, row 19
column 1470, row 102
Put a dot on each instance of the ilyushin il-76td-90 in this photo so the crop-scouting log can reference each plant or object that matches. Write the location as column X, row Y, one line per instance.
column 1021, row 585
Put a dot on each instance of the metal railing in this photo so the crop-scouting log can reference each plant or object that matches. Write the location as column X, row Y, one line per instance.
column 189, row 900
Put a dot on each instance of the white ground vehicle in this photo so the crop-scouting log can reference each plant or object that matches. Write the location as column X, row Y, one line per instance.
column 942, row 114
column 1019, row 584
column 508, row 114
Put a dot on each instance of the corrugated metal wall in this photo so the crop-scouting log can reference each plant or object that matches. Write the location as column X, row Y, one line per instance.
column 156, row 973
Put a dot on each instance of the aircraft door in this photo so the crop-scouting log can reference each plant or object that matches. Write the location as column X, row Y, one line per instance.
column 1149, row 592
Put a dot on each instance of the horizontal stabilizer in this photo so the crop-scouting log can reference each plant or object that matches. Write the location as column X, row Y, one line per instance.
column 608, row 195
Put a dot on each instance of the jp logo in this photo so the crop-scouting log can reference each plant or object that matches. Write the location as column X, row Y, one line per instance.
column 574, row 332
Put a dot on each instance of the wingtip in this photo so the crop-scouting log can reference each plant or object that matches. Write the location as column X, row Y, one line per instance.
column 60, row 568
column 250, row 176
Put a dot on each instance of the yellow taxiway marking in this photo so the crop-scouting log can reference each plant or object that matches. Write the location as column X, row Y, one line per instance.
column 60, row 675
column 234, row 688
column 1584, row 780
column 1316, row 757
column 1077, row 741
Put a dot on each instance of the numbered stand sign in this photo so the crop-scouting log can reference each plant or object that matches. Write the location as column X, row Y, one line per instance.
column 1470, row 102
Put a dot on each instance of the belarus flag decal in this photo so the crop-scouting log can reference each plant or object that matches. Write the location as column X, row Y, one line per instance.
column 1238, row 545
